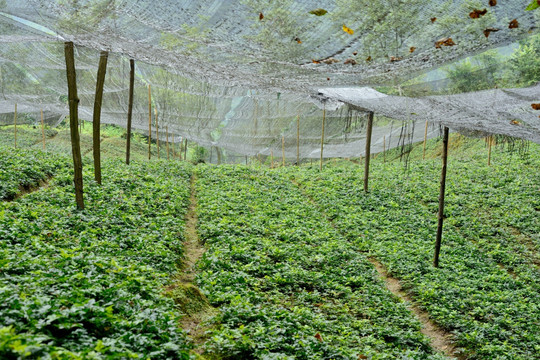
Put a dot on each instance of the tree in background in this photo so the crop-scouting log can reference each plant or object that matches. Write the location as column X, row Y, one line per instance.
column 525, row 62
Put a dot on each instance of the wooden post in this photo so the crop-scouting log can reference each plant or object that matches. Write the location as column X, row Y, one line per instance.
column 180, row 149
column 185, row 150
column 246, row 160
column 15, row 123
column 73, row 122
column 384, row 149
column 440, row 215
column 218, row 152
column 96, row 136
column 425, row 140
column 368, row 149
column 490, row 142
column 322, row 135
column 297, row 140
column 149, row 122
column 271, row 159
column 157, row 131
column 283, row 149
column 167, row 131
column 130, row 108
column 42, row 129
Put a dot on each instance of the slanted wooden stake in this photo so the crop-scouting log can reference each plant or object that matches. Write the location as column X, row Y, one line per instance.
column 425, row 139
column 167, row 131
column 130, row 108
column 297, row 140
column 96, row 136
column 42, row 129
column 440, row 215
column 157, row 131
column 322, row 135
column 283, row 149
column 368, row 149
column 490, row 142
column 74, row 122
column 149, row 122
column 15, row 123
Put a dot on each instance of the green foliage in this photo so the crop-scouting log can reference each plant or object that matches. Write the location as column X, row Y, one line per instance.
column 200, row 155
column 533, row 5
column 525, row 62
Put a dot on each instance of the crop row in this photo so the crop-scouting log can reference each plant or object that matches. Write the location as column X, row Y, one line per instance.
column 89, row 284
column 287, row 284
column 487, row 291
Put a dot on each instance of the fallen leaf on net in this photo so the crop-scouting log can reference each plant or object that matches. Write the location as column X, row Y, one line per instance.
column 395, row 58
column 489, row 31
column 412, row 49
column 298, row 40
column 535, row 106
column 318, row 12
column 348, row 30
column 368, row 58
column 350, row 61
column 514, row 24
column 315, row 61
column 261, row 16
column 475, row 14
column 444, row 42
column 492, row 2
column 514, row 122
column 355, row 53
column 433, row 19
column 318, row 337
column 328, row 79
column 330, row 61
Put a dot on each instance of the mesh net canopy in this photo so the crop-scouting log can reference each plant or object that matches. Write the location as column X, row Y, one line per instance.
column 239, row 74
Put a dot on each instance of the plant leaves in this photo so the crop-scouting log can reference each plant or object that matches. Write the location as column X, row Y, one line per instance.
column 318, row 12
column 348, row 30
column 535, row 4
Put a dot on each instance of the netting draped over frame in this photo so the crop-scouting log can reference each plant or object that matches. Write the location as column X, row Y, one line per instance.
column 237, row 74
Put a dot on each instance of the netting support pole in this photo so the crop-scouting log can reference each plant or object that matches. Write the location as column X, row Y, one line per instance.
column 157, row 131
column 42, row 129
column 440, row 215
column 297, row 140
column 167, row 139
column 246, row 160
column 96, row 121
column 490, row 142
column 180, row 148
column 130, row 108
column 74, row 123
column 218, row 152
column 15, row 123
column 185, row 150
column 322, row 136
column 369, row 130
column 149, row 122
column 283, row 149
column 384, row 149
column 425, row 140
column 271, row 159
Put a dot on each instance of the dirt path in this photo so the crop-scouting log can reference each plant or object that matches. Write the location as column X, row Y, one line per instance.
column 43, row 184
column 440, row 339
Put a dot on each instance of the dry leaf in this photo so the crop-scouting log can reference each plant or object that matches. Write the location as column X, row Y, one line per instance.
column 475, row 14
column 395, row 58
column 362, row 357
column 261, row 16
column 368, row 58
column 330, row 61
column 514, row 24
column 318, row 305
column 433, row 19
column 298, row 40
column 489, row 31
column 355, row 53
column 318, row 12
column 492, row 2
column 328, row 79
column 318, row 337
column 444, row 42
column 315, row 61
column 350, row 61
column 412, row 48
column 535, row 106
column 514, row 122
column 348, row 30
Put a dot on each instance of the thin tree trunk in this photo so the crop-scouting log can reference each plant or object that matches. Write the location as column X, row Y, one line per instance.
column 440, row 215
column 96, row 136
column 185, row 150
column 130, row 108
column 15, row 123
column 73, row 123
column 425, row 140
column 490, row 142
column 167, row 131
column 157, row 131
column 322, row 136
column 297, row 140
column 42, row 129
column 368, row 150
column 283, row 149
column 149, row 122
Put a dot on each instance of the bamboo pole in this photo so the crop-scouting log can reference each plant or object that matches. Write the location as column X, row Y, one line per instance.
column 368, row 149
column 425, row 140
column 490, row 142
column 283, row 149
column 15, row 123
column 96, row 122
column 167, row 131
column 297, row 140
column 130, row 108
column 440, row 215
column 42, row 129
column 322, row 136
column 73, row 122
column 157, row 131
column 149, row 122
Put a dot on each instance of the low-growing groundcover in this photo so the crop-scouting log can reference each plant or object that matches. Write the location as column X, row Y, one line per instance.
column 287, row 284
column 89, row 284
